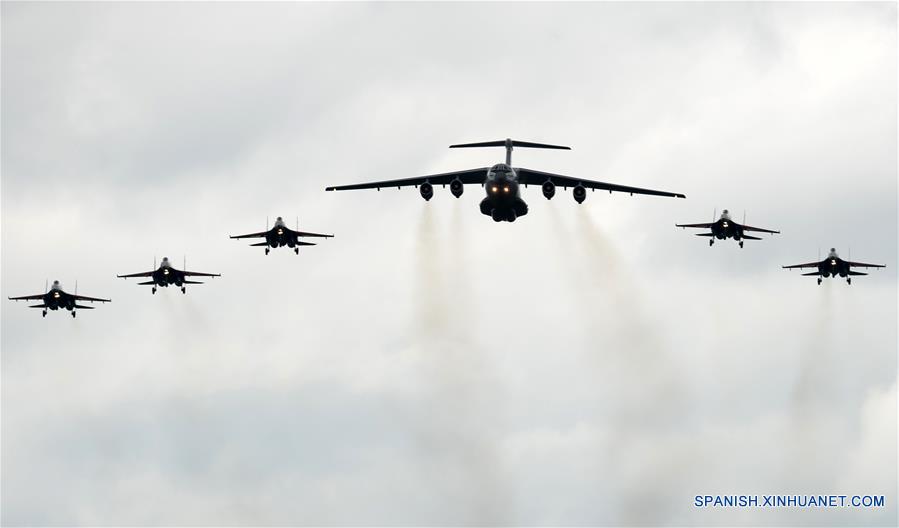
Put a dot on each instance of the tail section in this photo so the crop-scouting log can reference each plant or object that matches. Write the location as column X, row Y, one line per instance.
column 750, row 237
column 812, row 274
column 509, row 144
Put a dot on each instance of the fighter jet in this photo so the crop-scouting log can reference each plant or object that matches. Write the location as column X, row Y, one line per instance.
column 832, row 266
column 280, row 235
column 165, row 274
column 56, row 298
column 724, row 228
column 502, row 183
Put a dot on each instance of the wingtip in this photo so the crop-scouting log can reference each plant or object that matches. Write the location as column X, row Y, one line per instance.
column 329, row 188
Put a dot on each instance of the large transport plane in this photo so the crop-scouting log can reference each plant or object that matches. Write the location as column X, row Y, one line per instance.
column 56, row 298
column 832, row 266
column 280, row 235
column 724, row 228
column 165, row 274
column 502, row 183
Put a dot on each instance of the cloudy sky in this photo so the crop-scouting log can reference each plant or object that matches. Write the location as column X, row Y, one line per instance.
column 586, row 365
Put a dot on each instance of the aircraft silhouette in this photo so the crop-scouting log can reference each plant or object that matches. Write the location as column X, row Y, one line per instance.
column 501, row 183
column 56, row 298
column 832, row 266
column 280, row 235
column 724, row 228
column 165, row 274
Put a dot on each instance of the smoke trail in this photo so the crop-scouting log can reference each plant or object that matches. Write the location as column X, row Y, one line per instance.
column 639, row 384
column 455, row 432
column 812, row 412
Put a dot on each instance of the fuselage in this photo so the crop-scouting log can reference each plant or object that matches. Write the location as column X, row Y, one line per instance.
column 724, row 228
column 279, row 235
column 165, row 274
column 833, row 266
column 503, row 196
column 56, row 298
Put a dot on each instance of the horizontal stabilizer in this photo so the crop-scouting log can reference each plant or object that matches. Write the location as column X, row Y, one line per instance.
column 299, row 243
column 260, row 244
column 857, row 273
column 148, row 283
column 705, row 234
column 811, row 274
column 191, row 282
column 82, row 307
column 748, row 237
column 510, row 142
column 38, row 306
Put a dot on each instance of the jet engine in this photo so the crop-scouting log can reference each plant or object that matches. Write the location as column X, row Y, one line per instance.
column 579, row 193
column 549, row 189
column 427, row 190
column 456, row 187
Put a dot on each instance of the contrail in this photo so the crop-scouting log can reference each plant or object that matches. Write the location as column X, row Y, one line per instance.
column 456, row 428
column 622, row 342
column 816, row 418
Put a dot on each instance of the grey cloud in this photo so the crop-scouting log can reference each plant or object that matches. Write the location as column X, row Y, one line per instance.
column 585, row 365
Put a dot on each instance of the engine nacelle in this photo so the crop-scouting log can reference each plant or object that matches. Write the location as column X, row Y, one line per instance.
column 549, row 189
column 579, row 193
column 426, row 190
column 456, row 187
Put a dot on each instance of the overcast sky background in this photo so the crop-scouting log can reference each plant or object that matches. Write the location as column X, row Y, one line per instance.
column 586, row 365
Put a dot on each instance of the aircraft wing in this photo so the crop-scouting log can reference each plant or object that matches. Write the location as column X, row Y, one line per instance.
column 700, row 226
column 36, row 297
column 535, row 177
column 806, row 265
column 863, row 265
column 90, row 299
column 252, row 235
column 141, row 274
column 478, row 176
column 200, row 274
column 307, row 234
column 759, row 229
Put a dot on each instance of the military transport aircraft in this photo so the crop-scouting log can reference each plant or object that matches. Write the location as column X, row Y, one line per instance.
column 165, row 274
column 724, row 228
column 56, row 298
column 501, row 183
column 833, row 265
column 280, row 235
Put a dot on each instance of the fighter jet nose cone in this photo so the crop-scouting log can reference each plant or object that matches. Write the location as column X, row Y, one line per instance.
column 724, row 211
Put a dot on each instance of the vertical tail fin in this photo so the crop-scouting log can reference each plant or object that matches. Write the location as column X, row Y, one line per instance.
column 715, row 215
column 46, row 285
column 744, row 216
